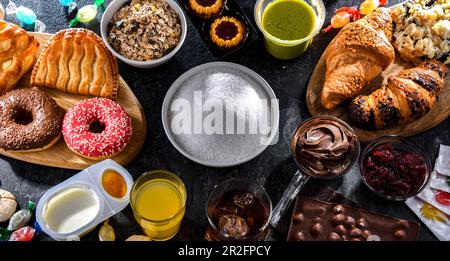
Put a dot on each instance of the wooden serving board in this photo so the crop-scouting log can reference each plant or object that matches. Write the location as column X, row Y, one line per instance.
column 440, row 111
column 60, row 155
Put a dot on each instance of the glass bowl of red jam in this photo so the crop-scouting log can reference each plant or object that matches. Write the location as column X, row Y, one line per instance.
column 395, row 168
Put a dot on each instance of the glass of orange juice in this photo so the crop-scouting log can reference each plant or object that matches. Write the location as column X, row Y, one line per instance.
column 158, row 200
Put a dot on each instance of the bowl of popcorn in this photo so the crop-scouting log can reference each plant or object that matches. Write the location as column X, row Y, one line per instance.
column 144, row 33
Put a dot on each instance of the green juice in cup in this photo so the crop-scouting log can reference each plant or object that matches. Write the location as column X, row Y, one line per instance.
column 290, row 21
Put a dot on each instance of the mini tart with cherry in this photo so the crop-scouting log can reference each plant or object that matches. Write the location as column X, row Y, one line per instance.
column 227, row 32
column 207, row 8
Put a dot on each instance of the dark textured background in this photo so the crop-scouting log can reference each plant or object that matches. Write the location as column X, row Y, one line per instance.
column 273, row 168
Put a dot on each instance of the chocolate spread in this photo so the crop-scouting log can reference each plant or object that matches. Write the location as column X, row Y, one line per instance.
column 324, row 146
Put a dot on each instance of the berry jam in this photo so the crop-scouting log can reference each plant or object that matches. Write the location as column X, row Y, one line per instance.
column 394, row 172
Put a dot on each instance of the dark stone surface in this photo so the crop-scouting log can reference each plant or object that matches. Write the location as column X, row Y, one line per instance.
column 273, row 168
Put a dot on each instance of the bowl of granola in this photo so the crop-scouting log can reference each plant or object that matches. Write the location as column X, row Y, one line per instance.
column 144, row 33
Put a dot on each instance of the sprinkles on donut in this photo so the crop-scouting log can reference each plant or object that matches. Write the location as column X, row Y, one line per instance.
column 97, row 128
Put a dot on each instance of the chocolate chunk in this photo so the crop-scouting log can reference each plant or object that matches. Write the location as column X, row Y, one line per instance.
column 338, row 209
column 361, row 223
column 349, row 222
column 334, row 237
column 340, row 230
column 299, row 236
column 402, row 224
column 400, row 234
column 317, row 220
column 337, row 219
column 298, row 218
column 316, row 229
column 356, row 232
column 366, row 234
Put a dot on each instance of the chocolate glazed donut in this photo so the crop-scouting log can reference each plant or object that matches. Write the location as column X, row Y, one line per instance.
column 30, row 120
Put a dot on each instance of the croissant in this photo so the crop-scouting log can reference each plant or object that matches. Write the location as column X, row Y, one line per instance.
column 360, row 52
column 17, row 54
column 406, row 98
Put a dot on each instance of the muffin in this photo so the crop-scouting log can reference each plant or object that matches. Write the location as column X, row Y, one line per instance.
column 227, row 32
column 207, row 8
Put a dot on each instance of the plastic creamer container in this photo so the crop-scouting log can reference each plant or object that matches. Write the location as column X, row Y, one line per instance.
column 76, row 206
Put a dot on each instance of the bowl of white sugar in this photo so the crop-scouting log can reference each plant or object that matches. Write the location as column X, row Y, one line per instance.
column 220, row 114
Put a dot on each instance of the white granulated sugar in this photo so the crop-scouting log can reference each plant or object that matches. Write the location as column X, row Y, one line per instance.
column 226, row 88
column 235, row 92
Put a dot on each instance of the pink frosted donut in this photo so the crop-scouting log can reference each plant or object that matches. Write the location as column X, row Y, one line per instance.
column 97, row 128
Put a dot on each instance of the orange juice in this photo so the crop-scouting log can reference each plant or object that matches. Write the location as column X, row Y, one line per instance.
column 158, row 200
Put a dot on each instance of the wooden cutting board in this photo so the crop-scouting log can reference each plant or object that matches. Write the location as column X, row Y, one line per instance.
column 439, row 112
column 60, row 155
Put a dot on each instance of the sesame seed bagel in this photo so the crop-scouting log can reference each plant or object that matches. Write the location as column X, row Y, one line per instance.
column 30, row 119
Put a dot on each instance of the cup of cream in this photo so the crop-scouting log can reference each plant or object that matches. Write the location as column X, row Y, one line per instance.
column 76, row 206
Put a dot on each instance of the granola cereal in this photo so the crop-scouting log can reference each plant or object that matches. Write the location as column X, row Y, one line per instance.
column 145, row 30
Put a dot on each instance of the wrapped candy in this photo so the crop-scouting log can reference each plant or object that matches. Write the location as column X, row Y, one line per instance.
column 70, row 7
column 436, row 198
column 26, row 16
column 4, row 234
column 442, row 165
column 87, row 13
column 346, row 15
column 37, row 228
column 21, row 217
column 436, row 220
column 23, row 234
column 72, row 10
column 443, row 198
column 65, row 2
column 106, row 232
column 440, row 182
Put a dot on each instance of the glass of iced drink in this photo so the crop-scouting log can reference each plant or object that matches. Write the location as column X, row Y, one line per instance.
column 238, row 209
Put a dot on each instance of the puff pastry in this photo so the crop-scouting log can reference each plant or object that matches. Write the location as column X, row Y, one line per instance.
column 17, row 54
column 358, row 54
column 406, row 97
column 77, row 61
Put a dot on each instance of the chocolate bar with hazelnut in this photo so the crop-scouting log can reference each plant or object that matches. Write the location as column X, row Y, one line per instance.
column 314, row 220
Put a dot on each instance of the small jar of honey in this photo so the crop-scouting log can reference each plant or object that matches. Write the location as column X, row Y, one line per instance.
column 114, row 183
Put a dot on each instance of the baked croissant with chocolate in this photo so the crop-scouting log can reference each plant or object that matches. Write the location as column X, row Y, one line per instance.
column 405, row 98
column 360, row 52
